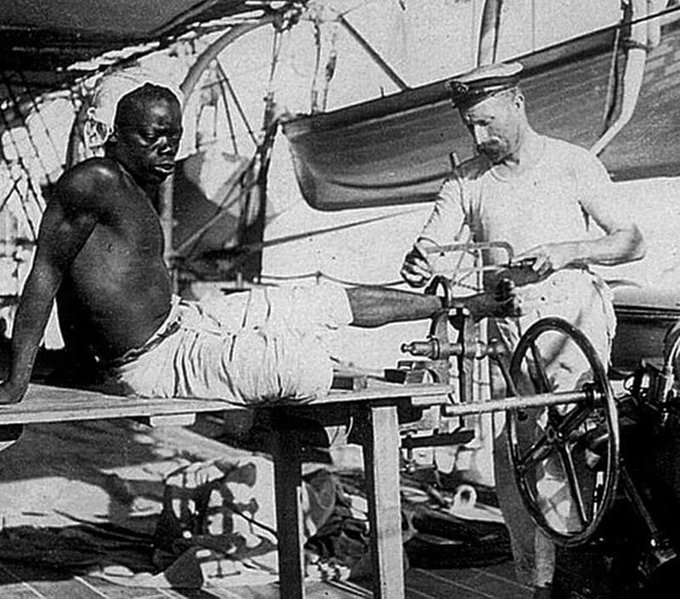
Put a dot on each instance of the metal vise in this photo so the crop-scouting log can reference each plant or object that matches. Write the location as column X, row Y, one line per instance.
column 438, row 347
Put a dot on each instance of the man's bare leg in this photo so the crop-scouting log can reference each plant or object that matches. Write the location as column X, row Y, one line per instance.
column 377, row 306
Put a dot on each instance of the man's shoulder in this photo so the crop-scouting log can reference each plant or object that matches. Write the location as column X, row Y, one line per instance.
column 562, row 148
column 92, row 176
column 575, row 160
column 471, row 169
column 93, row 170
column 464, row 179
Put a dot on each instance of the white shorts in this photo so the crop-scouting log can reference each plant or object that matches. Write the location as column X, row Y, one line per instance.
column 250, row 347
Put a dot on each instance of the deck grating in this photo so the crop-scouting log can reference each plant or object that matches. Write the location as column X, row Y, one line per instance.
column 437, row 585
column 25, row 581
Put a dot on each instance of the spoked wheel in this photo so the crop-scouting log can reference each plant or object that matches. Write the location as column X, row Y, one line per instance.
column 565, row 457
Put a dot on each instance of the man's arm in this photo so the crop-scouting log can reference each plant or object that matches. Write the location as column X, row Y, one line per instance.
column 66, row 224
column 622, row 241
column 443, row 227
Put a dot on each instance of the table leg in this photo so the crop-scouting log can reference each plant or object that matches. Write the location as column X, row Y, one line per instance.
column 288, row 497
column 380, row 440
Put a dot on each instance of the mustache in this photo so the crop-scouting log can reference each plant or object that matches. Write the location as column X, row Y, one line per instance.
column 489, row 148
column 489, row 145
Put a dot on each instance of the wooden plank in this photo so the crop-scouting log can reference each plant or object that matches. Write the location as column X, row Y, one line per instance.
column 56, row 404
column 42, row 583
column 380, row 440
column 378, row 390
column 430, row 583
column 59, row 404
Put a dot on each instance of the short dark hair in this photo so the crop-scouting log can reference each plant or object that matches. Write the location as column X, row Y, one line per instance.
column 149, row 92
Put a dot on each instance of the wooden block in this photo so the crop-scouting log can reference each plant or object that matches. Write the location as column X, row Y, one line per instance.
column 405, row 377
column 349, row 382
column 168, row 420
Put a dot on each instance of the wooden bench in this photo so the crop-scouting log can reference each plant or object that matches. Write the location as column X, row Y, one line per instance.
column 374, row 416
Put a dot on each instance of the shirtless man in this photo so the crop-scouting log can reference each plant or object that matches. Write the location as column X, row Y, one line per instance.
column 100, row 253
column 541, row 195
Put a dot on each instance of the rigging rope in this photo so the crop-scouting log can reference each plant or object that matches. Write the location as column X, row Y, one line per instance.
column 17, row 108
column 279, row 26
column 39, row 114
column 237, row 103
column 225, row 99
column 9, row 194
column 331, row 65
column 613, row 78
column 318, row 275
column 27, row 176
column 314, row 102
column 319, row 98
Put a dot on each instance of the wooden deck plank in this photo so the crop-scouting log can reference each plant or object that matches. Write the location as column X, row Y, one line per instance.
column 114, row 591
column 18, row 591
column 462, row 576
column 13, row 587
column 503, row 576
column 26, row 581
column 416, row 594
column 505, row 569
column 495, row 586
column 430, row 582
column 494, row 581
column 45, row 403
column 45, row 582
column 313, row 590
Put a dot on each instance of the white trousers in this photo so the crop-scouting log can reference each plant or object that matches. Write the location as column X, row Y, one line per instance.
column 249, row 347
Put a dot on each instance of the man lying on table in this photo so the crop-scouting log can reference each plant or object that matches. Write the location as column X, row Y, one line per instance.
column 100, row 253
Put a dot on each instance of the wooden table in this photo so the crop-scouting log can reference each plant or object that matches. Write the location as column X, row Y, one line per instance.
column 373, row 412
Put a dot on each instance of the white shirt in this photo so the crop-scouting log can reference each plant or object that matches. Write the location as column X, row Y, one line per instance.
column 546, row 203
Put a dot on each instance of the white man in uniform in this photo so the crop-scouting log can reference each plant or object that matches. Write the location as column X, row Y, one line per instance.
column 543, row 196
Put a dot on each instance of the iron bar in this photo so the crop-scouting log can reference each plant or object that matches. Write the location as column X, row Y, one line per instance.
column 516, row 403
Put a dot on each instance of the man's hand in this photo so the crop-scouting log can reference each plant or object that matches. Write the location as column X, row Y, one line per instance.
column 10, row 393
column 548, row 257
column 416, row 269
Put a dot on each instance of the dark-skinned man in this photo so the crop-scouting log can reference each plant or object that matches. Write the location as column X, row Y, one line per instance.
column 100, row 253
